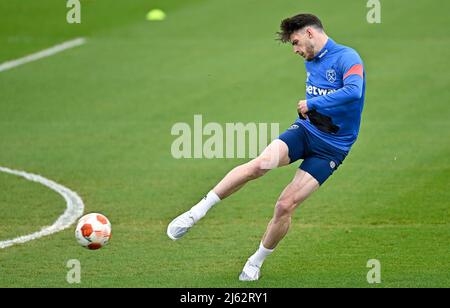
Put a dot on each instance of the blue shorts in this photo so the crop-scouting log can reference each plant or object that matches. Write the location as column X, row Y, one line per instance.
column 320, row 159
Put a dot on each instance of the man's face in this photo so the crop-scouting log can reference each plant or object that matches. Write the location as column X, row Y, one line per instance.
column 303, row 44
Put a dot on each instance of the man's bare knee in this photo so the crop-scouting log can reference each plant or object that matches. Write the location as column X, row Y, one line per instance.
column 284, row 208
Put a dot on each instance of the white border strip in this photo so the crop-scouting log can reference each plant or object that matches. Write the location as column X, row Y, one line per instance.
column 42, row 54
column 75, row 208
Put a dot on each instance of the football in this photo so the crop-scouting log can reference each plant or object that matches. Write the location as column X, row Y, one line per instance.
column 93, row 231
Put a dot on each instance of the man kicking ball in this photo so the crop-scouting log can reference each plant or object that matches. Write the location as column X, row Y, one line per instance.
column 327, row 126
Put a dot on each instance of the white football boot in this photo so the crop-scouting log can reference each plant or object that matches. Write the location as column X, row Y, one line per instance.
column 251, row 272
column 180, row 225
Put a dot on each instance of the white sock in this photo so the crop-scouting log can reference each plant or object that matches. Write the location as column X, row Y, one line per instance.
column 199, row 210
column 258, row 257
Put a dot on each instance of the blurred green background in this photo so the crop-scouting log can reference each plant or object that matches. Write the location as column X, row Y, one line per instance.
column 97, row 119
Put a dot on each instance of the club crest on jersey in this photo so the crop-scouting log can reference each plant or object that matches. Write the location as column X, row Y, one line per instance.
column 331, row 75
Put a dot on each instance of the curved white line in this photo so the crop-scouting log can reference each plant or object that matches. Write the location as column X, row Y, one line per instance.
column 75, row 208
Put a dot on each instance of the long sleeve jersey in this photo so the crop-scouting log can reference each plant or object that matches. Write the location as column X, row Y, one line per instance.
column 335, row 87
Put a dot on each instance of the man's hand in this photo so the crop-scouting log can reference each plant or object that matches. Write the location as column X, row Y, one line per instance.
column 302, row 108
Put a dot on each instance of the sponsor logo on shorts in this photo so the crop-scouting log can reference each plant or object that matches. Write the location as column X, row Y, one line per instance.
column 332, row 164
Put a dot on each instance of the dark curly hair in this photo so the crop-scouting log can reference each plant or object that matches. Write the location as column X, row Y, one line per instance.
column 295, row 23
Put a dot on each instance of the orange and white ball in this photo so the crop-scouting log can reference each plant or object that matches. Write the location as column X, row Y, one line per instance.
column 93, row 231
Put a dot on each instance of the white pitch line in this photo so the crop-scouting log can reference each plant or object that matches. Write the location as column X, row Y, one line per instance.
column 74, row 210
column 42, row 54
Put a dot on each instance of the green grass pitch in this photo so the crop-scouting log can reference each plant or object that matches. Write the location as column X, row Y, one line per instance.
column 97, row 119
